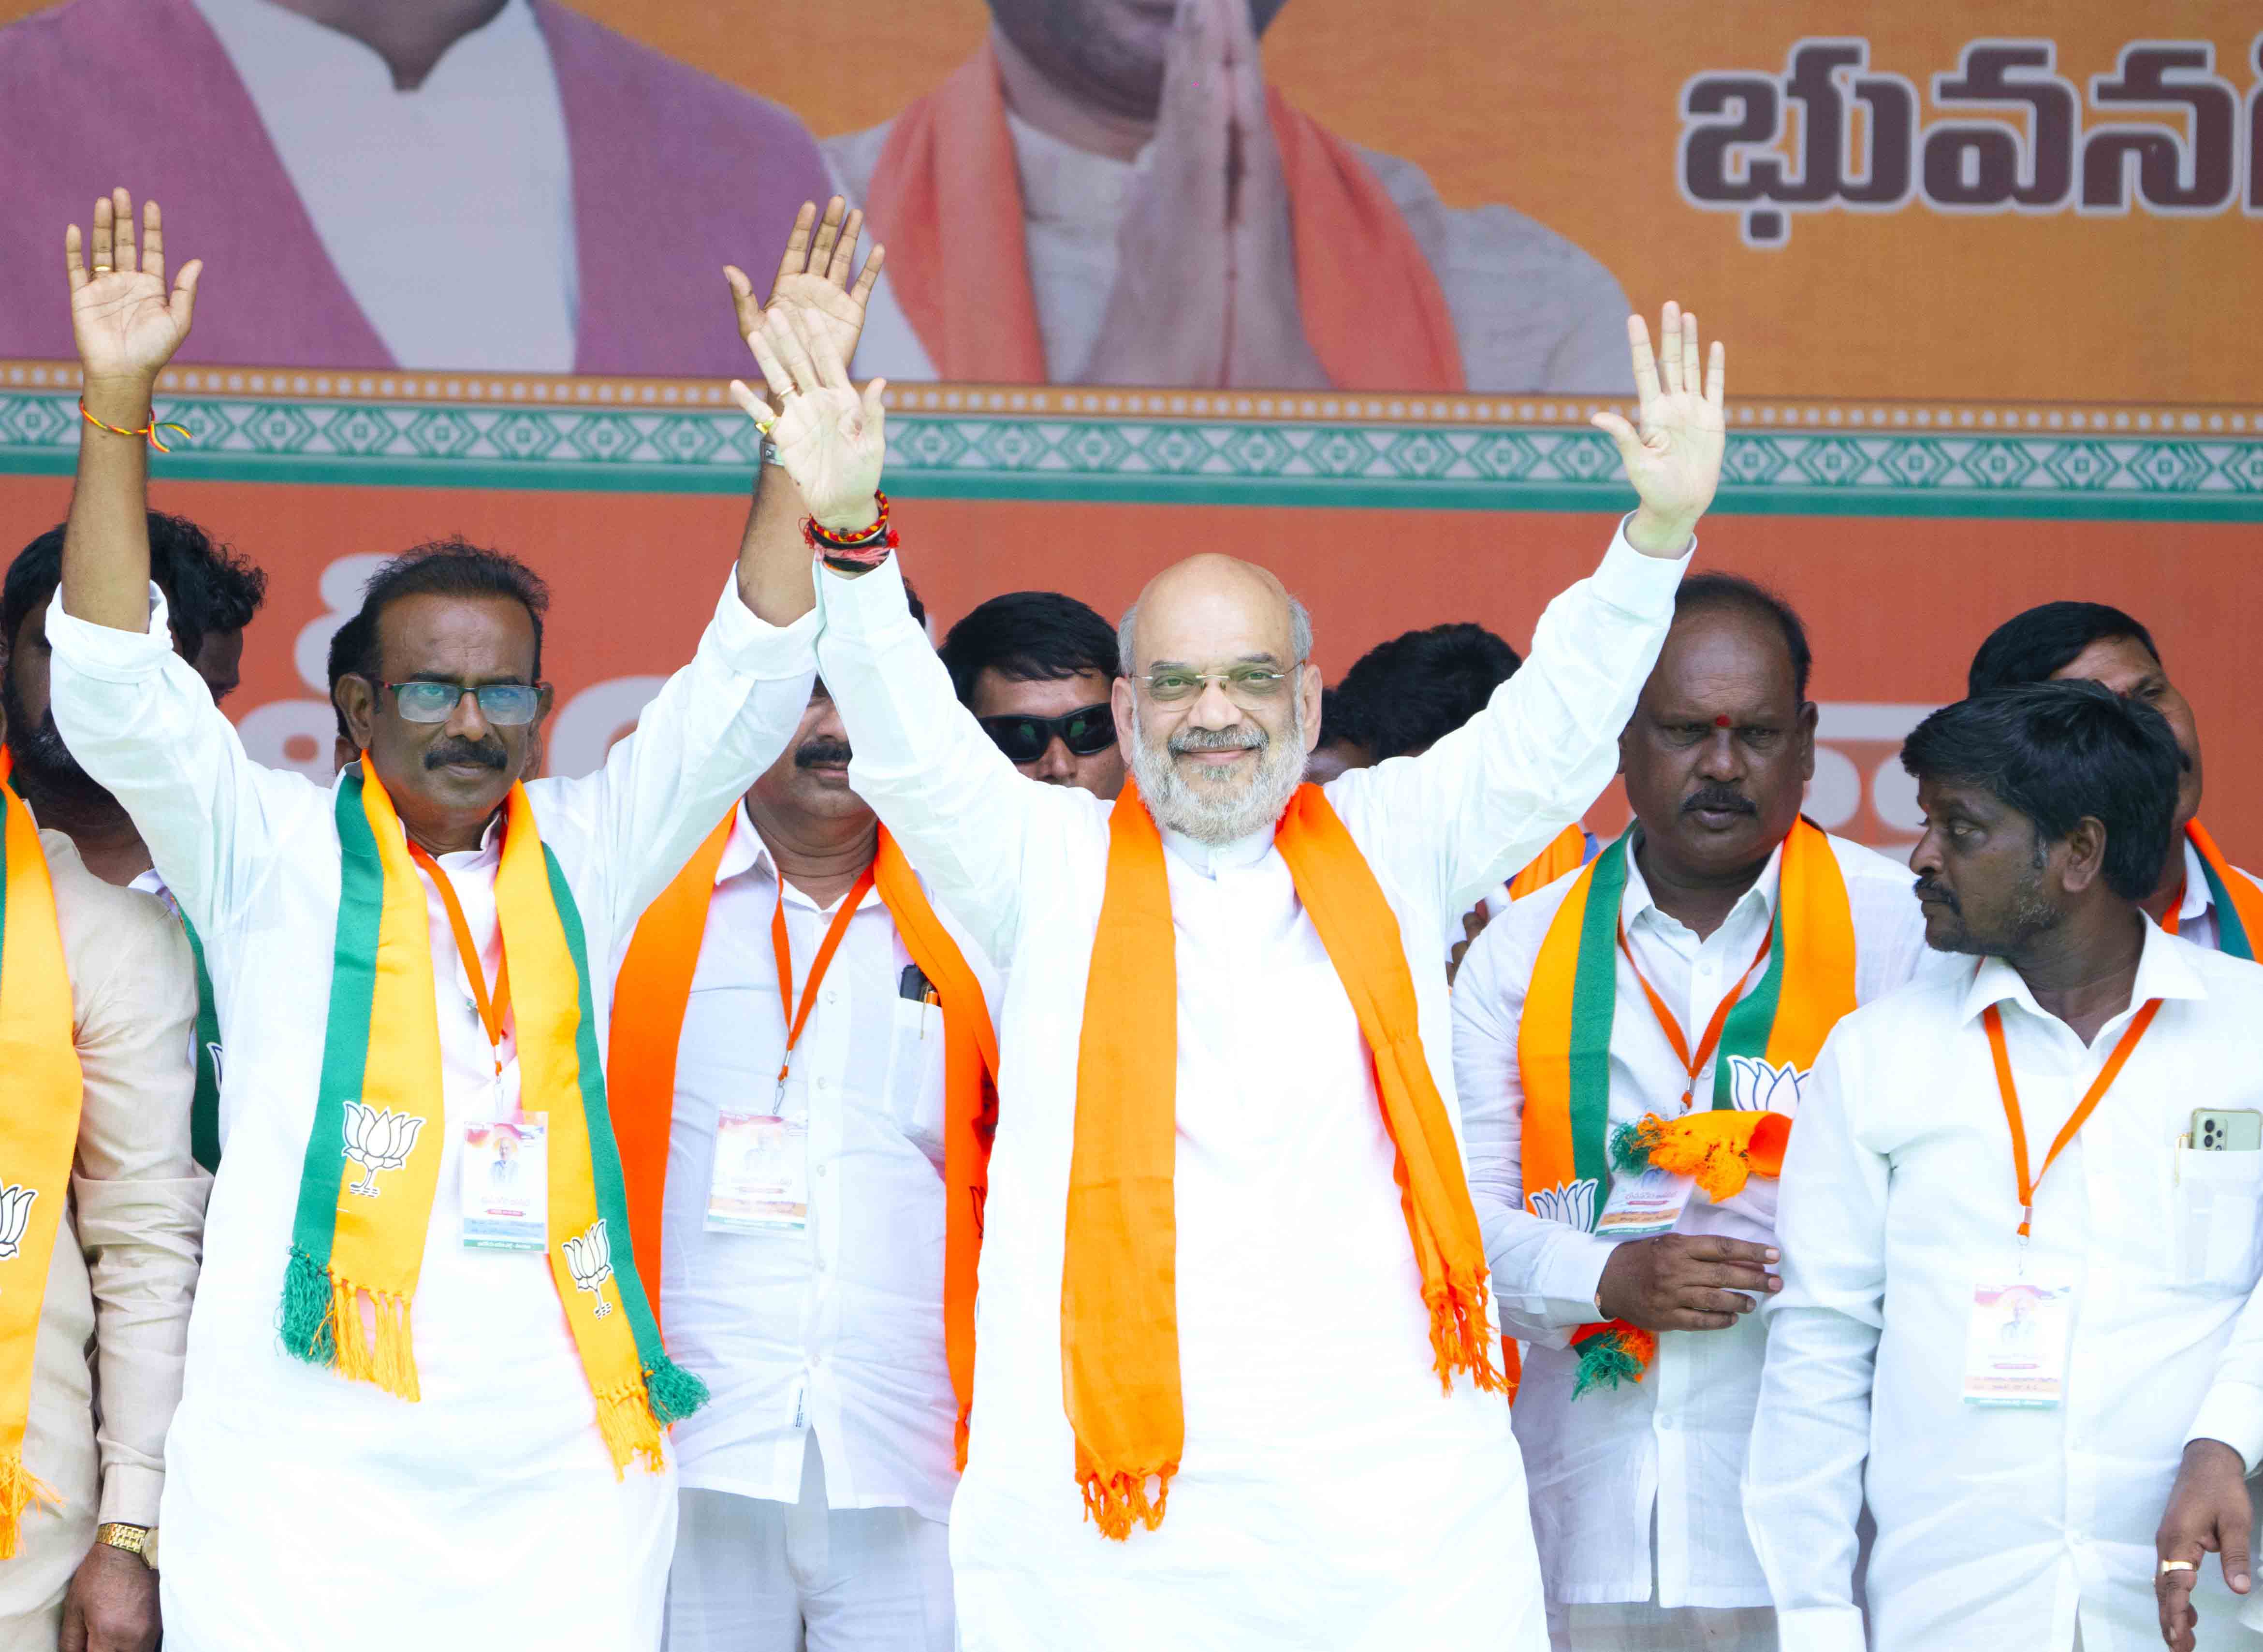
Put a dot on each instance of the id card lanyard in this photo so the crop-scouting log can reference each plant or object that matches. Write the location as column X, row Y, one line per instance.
column 2122, row 1050
column 796, row 1019
column 1693, row 1065
column 494, row 1008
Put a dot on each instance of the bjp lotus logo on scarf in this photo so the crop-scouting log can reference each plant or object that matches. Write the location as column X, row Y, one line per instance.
column 1756, row 1087
column 589, row 1259
column 1573, row 1204
column 15, row 1215
column 377, row 1139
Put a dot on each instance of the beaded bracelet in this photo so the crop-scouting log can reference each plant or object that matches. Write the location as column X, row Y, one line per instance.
column 148, row 431
column 864, row 548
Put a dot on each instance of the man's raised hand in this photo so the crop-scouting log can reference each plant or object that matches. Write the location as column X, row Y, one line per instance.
column 127, row 324
column 814, row 274
column 830, row 438
column 1672, row 453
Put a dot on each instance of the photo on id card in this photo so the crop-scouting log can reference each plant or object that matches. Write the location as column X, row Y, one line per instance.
column 505, row 1183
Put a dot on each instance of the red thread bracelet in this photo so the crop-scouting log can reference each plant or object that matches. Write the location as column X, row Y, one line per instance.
column 148, row 431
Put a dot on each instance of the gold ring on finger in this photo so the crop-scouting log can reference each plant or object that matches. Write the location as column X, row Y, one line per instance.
column 2169, row 1566
column 764, row 426
column 102, row 269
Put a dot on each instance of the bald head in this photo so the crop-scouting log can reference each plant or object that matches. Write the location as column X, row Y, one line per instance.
column 1214, row 607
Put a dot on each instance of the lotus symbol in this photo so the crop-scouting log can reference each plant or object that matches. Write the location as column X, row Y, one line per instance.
column 590, row 1260
column 1573, row 1204
column 15, row 1214
column 377, row 1139
column 1756, row 1087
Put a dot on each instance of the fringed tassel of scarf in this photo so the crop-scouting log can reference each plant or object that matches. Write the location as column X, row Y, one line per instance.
column 1718, row 1150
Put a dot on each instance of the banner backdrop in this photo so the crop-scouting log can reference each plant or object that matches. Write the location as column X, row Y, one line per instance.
column 1978, row 266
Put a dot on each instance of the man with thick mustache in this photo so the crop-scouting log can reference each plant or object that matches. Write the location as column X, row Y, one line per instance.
column 1719, row 920
column 391, row 1401
column 2018, row 1317
column 802, row 1223
column 1237, row 1379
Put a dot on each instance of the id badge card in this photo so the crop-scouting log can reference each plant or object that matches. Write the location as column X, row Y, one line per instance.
column 504, row 1184
column 2015, row 1342
column 761, row 1174
column 1650, row 1201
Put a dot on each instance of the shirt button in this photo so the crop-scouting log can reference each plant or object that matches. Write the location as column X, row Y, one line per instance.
column 833, row 995
column 821, row 1170
column 824, row 1084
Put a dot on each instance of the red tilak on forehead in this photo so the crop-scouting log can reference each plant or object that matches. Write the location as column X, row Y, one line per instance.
column 1721, row 722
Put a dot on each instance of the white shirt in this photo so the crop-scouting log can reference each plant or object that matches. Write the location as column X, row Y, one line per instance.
column 487, row 1513
column 1673, row 1444
column 448, row 210
column 1532, row 311
column 2196, row 911
column 1328, row 1493
column 838, row 1328
column 2002, row 1530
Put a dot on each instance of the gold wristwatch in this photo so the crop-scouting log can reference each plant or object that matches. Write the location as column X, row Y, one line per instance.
column 135, row 1540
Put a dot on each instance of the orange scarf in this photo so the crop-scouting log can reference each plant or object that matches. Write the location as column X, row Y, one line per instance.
column 649, row 997
column 1566, row 852
column 946, row 197
column 1119, row 1296
column 2238, row 903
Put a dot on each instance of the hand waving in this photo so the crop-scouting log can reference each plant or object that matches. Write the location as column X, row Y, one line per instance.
column 814, row 277
column 830, row 439
column 127, row 325
column 1673, row 457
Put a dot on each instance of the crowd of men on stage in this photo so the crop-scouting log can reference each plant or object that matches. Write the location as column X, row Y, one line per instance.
column 462, row 1209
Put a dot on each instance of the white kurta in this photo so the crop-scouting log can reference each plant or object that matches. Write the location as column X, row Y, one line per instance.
column 1329, row 1495
column 303, row 1511
column 1665, row 1455
column 2008, row 1530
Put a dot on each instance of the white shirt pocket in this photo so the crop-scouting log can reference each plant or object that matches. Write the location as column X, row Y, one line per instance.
column 916, row 1075
column 2218, row 1218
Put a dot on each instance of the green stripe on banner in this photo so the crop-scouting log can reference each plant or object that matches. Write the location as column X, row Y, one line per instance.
column 1594, row 1002
column 672, row 1392
column 1745, row 1032
column 307, row 1332
column 204, row 1112
column 2231, row 936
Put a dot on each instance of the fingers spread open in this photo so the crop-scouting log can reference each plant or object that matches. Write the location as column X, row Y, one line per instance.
column 766, row 356
column 1670, row 349
column 796, row 257
column 1646, row 364
column 843, row 262
column 782, row 326
column 871, row 273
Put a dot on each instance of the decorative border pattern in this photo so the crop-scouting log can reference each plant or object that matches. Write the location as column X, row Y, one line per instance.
column 2189, row 466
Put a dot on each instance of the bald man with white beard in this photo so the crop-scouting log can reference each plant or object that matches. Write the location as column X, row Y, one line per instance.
column 1235, row 1375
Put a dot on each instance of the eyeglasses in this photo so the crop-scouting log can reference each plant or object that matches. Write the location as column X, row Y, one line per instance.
column 1245, row 685
column 1087, row 732
column 505, row 705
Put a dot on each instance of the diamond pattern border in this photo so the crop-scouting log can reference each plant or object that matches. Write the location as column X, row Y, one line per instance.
column 702, row 449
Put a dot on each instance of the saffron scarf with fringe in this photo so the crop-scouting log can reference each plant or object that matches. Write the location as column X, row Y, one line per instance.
column 373, row 1159
column 2239, row 902
column 649, row 997
column 39, row 1131
column 1119, row 1301
column 1767, row 1043
column 945, row 195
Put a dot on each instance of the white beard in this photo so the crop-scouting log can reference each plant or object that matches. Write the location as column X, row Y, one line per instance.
column 1215, row 814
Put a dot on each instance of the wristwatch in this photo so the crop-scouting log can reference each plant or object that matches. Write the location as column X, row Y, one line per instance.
column 135, row 1540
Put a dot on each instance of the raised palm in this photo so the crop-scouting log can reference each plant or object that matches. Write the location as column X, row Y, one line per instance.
column 125, row 322
column 831, row 438
column 1672, row 451
column 813, row 277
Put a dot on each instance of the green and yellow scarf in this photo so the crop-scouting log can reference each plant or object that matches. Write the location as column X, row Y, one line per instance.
column 39, row 1130
column 1767, row 1043
column 373, row 1155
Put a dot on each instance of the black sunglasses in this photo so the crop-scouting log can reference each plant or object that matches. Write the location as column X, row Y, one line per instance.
column 1087, row 732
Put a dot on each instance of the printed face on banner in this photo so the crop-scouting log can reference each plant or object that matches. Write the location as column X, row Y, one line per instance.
column 2099, row 158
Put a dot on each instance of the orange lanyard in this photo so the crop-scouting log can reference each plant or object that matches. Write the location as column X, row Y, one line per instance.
column 796, row 1019
column 1695, row 1064
column 2099, row 1086
column 495, row 1009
